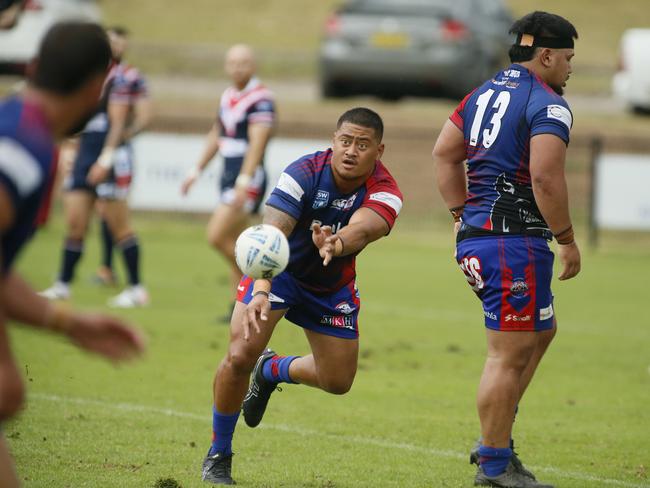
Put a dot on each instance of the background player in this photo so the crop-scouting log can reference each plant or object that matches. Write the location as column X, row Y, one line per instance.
column 241, row 133
column 102, row 170
column 513, row 131
column 139, row 118
column 331, row 205
column 55, row 104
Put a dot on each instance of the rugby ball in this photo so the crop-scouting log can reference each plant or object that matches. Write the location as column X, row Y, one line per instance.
column 262, row 251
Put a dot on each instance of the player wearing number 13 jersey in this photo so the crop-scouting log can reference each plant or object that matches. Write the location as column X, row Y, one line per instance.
column 509, row 202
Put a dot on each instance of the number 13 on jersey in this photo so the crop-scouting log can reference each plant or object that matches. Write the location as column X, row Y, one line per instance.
column 491, row 131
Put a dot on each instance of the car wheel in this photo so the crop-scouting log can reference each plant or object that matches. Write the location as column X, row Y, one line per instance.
column 640, row 110
column 332, row 89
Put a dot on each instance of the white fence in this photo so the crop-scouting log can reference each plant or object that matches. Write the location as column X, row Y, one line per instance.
column 163, row 160
column 621, row 192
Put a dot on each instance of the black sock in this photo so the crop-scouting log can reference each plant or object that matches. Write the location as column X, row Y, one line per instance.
column 131, row 251
column 72, row 251
column 107, row 245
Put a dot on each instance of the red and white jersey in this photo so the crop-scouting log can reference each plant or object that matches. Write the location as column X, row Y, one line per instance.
column 238, row 109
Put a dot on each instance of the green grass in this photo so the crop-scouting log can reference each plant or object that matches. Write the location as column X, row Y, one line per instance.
column 409, row 419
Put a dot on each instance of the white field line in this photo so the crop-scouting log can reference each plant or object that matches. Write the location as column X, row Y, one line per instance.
column 369, row 441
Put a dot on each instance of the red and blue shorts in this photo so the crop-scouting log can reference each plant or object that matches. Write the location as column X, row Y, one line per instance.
column 512, row 277
column 334, row 314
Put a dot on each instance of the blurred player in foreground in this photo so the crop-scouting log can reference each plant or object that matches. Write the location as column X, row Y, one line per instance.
column 241, row 133
column 513, row 132
column 331, row 205
column 140, row 116
column 61, row 95
column 101, row 173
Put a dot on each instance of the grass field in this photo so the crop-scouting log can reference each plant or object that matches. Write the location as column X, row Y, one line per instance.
column 409, row 419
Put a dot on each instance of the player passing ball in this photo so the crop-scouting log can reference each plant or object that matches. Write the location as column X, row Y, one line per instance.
column 330, row 205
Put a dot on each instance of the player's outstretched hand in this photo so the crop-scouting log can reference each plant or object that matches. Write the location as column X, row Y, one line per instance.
column 257, row 309
column 570, row 259
column 97, row 174
column 239, row 199
column 105, row 335
column 324, row 240
column 188, row 182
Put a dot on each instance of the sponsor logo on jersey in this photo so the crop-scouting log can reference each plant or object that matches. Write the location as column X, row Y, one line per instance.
column 512, row 73
column 546, row 313
column 560, row 113
column 519, row 288
column 511, row 317
column 490, row 315
column 344, row 204
column 345, row 307
column 322, row 197
column 342, row 321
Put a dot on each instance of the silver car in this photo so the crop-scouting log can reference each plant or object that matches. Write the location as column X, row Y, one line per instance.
column 393, row 48
column 19, row 44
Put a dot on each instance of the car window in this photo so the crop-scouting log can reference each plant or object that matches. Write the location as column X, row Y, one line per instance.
column 491, row 8
column 408, row 7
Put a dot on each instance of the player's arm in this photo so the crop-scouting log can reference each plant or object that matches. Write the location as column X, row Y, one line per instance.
column 9, row 16
column 547, row 157
column 118, row 112
column 209, row 151
column 143, row 115
column 100, row 334
column 258, row 137
column 68, row 150
column 260, row 306
column 12, row 391
column 365, row 226
column 448, row 157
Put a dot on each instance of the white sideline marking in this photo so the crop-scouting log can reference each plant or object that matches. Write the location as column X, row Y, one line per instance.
column 132, row 407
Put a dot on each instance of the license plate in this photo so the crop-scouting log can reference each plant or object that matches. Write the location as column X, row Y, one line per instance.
column 390, row 40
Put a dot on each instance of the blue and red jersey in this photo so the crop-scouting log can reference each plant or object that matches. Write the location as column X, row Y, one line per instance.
column 498, row 120
column 124, row 84
column 239, row 109
column 27, row 170
column 306, row 190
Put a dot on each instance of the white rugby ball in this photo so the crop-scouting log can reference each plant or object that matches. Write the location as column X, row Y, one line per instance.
column 262, row 251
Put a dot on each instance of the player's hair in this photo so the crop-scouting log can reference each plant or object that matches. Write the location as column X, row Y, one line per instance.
column 119, row 30
column 70, row 54
column 541, row 24
column 365, row 118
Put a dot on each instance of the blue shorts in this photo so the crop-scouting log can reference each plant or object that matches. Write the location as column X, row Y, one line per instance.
column 512, row 277
column 115, row 187
column 335, row 314
column 254, row 192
